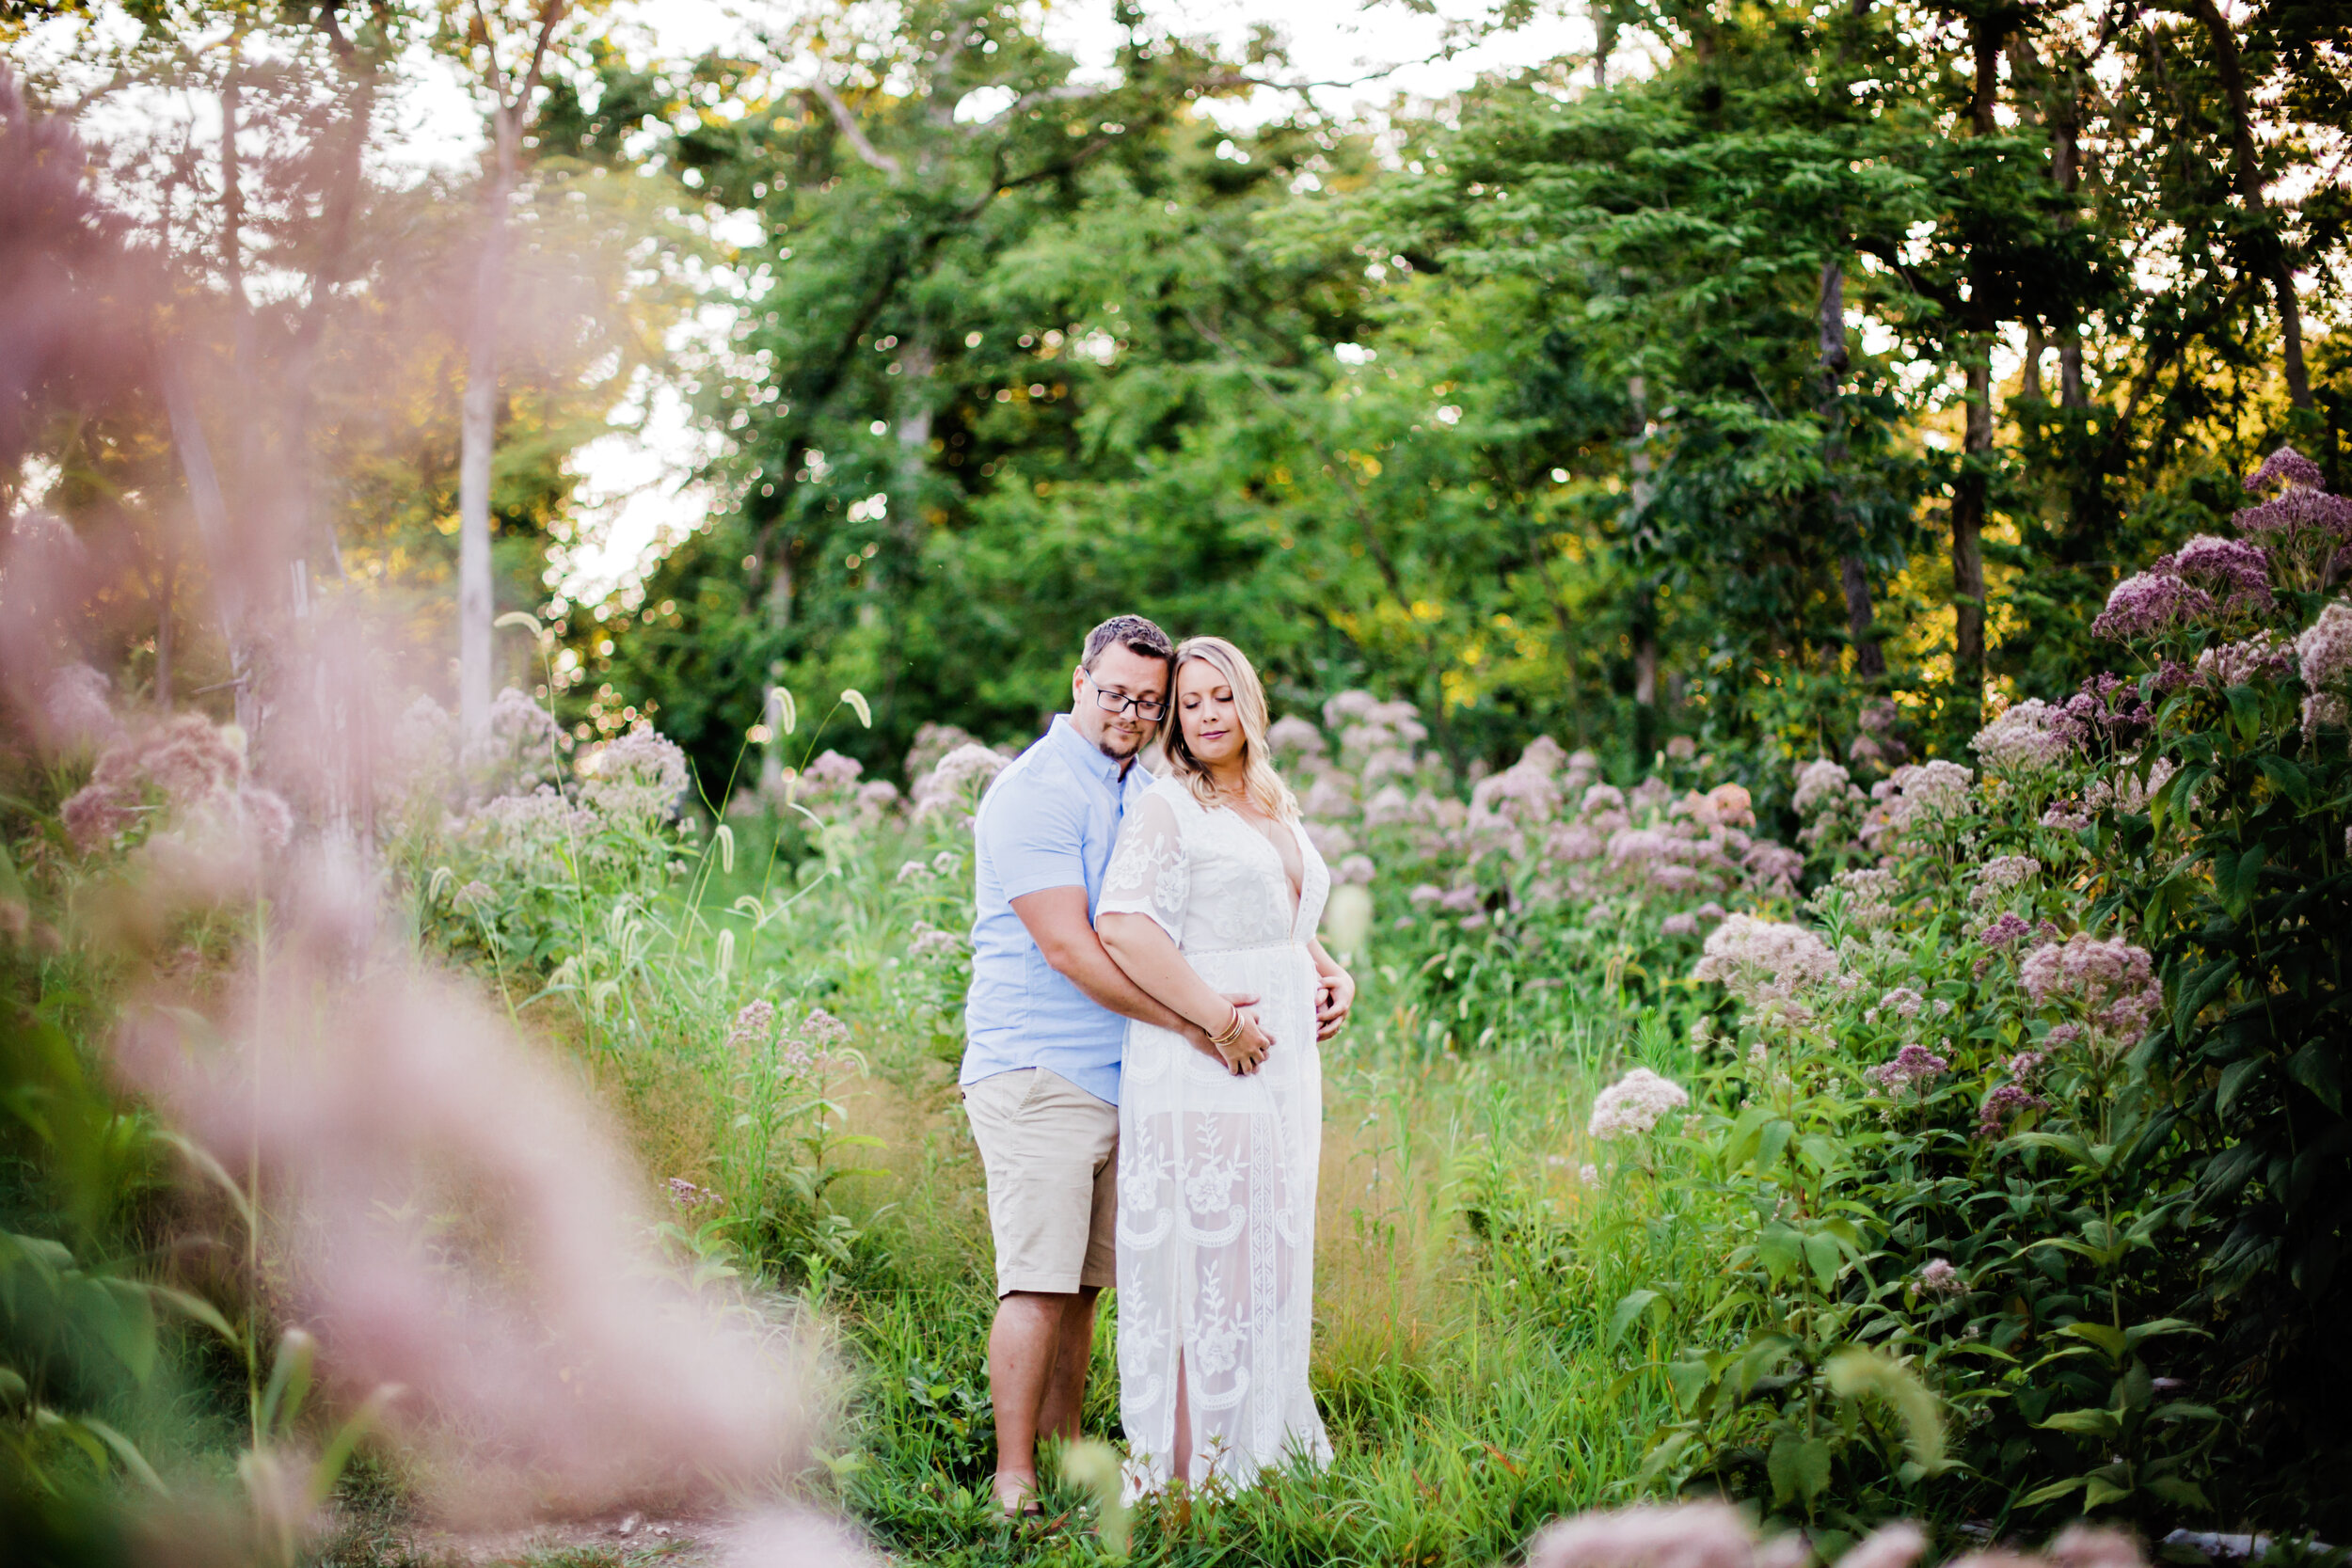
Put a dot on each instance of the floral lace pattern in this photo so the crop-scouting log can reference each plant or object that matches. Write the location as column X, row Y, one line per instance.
column 1217, row 1173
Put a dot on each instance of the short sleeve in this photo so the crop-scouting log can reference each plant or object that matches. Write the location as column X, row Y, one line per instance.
column 1034, row 838
column 1149, row 873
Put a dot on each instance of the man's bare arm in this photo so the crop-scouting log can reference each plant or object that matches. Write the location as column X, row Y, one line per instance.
column 1055, row 918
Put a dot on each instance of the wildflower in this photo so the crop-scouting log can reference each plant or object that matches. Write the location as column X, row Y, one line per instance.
column 1913, row 1066
column 754, row 1022
column 2298, row 510
column 2003, row 931
column 1775, row 868
column 1758, row 958
column 1941, row 1280
column 2285, row 465
column 1352, row 869
column 1331, row 840
column 1329, row 797
column 2005, row 1106
column 2234, row 572
column 2062, row 1036
column 912, row 871
column 1689, row 1535
column 2112, row 982
column 1291, row 736
column 2150, row 602
column 640, row 774
column 1920, row 795
column 2325, row 710
column 2002, row 872
column 1903, row 1002
column 475, row 893
column 820, row 1028
column 1388, row 806
column 1589, row 1174
column 2324, row 651
column 1425, row 894
column 2028, row 738
column 1633, row 1104
column 1602, row 798
column 1460, row 900
column 2066, row 816
column 2025, row 1067
column 875, row 797
column 1679, row 924
column 931, row 941
column 1871, row 895
column 954, row 775
column 687, row 1196
column 2106, row 705
column 1572, row 842
column 1822, row 784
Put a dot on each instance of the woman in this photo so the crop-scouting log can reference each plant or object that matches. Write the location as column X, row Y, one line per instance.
column 1214, row 888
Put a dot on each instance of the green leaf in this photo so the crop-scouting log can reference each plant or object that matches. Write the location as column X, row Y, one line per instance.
column 2156, row 1328
column 1633, row 1307
column 2287, row 778
column 2084, row 1423
column 1774, row 1139
column 1799, row 1467
column 2053, row 1492
column 1822, row 1253
column 2319, row 1068
column 2098, row 1490
column 2109, row 1339
column 2234, row 1080
column 1781, row 1250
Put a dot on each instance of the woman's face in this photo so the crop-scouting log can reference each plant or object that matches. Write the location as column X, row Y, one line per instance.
column 1205, row 708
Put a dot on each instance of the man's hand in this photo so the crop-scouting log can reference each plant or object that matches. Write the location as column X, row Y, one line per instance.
column 1333, row 998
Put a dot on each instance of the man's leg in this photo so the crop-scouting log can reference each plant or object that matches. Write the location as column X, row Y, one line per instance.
column 1021, row 1363
column 1073, row 1353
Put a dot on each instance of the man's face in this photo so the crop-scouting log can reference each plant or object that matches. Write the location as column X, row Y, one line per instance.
column 1119, row 672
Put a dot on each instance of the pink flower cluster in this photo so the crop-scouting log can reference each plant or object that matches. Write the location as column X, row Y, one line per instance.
column 2263, row 655
column 2323, row 652
column 2110, row 985
column 2236, row 573
column 640, row 774
column 185, row 773
column 2307, row 528
column 1764, row 960
column 2149, row 603
column 2027, row 738
column 755, row 1025
column 1916, row 797
column 1913, row 1068
column 2003, row 1106
column 1941, row 1280
column 1633, row 1105
column 2002, row 872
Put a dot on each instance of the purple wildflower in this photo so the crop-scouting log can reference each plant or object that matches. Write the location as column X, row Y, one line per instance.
column 2005, row 931
column 1913, row 1066
column 1941, row 1280
column 2234, row 572
column 2285, row 465
column 2005, row 1106
column 2150, row 602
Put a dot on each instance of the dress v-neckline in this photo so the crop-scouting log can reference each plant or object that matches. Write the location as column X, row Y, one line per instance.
column 1297, row 890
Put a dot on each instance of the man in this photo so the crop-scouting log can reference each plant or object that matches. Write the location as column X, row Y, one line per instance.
column 1046, row 1025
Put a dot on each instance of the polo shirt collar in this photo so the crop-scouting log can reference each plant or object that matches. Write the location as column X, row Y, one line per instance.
column 1083, row 755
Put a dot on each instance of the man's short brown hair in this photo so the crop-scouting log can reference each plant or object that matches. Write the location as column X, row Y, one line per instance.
column 1130, row 632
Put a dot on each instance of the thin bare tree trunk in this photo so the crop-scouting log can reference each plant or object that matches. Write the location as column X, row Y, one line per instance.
column 2245, row 172
column 478, row 436
column 2029, row 389
column 1968, row 508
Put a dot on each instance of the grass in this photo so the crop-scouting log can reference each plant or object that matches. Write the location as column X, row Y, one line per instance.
column 1466, row 1274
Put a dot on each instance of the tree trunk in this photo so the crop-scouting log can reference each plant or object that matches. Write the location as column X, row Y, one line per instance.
column 2030, row 387
column 478, row 436
column 1968, row 506
column 2245, row 173
column 1604, row 41
column 1854, row 580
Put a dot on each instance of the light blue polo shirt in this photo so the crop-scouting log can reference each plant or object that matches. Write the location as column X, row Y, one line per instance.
column 1050, row 819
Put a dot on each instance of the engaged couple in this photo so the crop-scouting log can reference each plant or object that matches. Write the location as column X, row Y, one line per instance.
column 1141, row 1068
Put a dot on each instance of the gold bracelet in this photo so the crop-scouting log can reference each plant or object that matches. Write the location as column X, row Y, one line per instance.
column 1230, row 1033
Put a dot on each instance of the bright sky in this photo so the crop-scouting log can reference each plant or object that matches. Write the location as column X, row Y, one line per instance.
column 635, row 486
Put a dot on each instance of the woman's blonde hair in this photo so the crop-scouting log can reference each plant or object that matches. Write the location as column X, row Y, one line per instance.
column 1260, row 782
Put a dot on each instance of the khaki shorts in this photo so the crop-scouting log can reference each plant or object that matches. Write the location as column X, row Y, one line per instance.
column 1051, row 1150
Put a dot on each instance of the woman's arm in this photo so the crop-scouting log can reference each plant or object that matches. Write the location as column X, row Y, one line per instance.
column 1335, row 993
column 1153, row 961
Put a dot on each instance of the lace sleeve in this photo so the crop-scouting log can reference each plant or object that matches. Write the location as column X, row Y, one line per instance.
column 1148, row 872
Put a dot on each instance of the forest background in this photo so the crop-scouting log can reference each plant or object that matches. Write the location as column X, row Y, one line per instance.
column 1766, row 367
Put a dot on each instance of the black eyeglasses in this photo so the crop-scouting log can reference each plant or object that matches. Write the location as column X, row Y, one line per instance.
column 1147, row 710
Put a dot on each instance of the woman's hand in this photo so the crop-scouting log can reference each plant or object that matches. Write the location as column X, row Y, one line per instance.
column 1334, row 995
column 1246, row 1052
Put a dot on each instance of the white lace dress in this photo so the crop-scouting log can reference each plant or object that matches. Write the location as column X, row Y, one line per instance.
column 1217, row 1173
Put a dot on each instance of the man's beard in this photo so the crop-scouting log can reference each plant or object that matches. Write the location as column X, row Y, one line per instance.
column 1109, row 744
